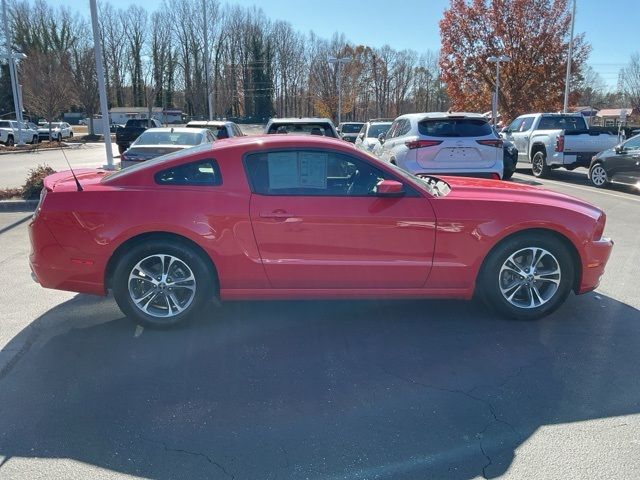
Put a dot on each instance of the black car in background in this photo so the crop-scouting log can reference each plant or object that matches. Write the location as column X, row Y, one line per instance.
column 620, row 164
column 510, row 159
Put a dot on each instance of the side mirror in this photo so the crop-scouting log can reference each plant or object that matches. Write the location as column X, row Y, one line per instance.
column 619, row 149
column 389, row 188
column 505, row 130
column 361, row 136
column 381, row 138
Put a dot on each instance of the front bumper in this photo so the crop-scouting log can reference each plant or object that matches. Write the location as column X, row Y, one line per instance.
column 597, row 254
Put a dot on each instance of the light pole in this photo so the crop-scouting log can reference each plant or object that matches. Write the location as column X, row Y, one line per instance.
column 494, row 104
column 339, row 61
column 206, row 59
column 567, row 80
column 13, row 73
column 102, row 90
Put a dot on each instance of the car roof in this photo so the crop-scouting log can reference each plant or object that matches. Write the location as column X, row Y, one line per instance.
column 209, row 123
column 351, row 123
column 300, row 120
column 437, row 115
column 175, row 130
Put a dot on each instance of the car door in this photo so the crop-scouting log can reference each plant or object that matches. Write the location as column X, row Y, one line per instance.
column 514, row 135
column 522, row 135
column 319, row 224
column 626, row 161
column 382, row 150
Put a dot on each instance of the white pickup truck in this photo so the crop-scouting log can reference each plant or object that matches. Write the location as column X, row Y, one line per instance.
column 554, row 140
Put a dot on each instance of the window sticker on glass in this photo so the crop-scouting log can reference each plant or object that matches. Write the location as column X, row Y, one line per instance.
column 283, row 170
column 313, row 169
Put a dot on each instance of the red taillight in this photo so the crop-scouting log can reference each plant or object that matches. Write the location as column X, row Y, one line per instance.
column 491, row 143
column 560, row 143
column 422, row 143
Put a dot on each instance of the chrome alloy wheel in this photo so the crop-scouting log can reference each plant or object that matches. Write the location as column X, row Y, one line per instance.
column 598, row 175
column 530, row 277
column 162, row 285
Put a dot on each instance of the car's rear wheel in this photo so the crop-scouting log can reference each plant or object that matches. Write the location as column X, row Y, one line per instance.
column 10, row 141
column 528, row 276
column 161, row 283
column 34, row 140
column 121, row 149
column 598, row 176
column 539, row 165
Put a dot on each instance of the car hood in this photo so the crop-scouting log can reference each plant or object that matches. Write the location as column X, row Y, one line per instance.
column 46, row 130
column 498, row 190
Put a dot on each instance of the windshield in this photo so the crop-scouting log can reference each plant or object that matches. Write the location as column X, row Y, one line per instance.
column 351, row 127
column 377, row 128
column 168, row 138
column 51, row 125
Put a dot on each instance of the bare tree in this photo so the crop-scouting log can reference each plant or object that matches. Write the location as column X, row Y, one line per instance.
column 631, row 81
column 85, row 83
column 46, row 85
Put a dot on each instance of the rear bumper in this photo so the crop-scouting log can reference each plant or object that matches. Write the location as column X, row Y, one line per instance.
column 53, row 267
column 493, row 172
column 596, row 256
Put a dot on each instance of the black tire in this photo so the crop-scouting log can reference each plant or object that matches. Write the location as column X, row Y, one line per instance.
column 507, row 174
column 70, row 134
column 539, row 165
column 10, row 141
column 34, row 140
column 204, row 283
column 493, row 278
column 598, row 176
column 121, row 149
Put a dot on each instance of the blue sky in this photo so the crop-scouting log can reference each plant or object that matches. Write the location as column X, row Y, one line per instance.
column 610, row 25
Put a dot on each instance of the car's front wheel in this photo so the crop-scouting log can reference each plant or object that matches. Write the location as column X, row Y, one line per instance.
column 598, row 176
column 161, row 283
column 527, row 276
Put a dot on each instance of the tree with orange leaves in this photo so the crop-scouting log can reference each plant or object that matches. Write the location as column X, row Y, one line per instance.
column 534, row 33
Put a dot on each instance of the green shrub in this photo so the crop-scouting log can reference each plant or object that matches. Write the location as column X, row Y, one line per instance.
column 35, row 181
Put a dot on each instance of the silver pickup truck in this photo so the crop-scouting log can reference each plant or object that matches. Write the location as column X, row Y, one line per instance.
column 554, row 140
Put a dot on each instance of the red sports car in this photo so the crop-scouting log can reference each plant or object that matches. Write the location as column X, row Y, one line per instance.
column 284, row 217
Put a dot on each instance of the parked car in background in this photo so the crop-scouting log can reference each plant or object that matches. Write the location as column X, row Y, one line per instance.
column 618, row 164
column 55, row 131
column 554, row 140
column 348, row 131
column 155, row 142
column 367, row 138
column 509, row 159
column 308, row 217
column 301, row 126
column 220, row 128
column 443, row 144
column 10, row 134
column 134, row 127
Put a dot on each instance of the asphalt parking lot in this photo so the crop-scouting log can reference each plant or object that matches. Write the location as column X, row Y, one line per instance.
column 325, row 390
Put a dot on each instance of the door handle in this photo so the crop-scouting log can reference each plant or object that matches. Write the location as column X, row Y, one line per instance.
column 276, row 215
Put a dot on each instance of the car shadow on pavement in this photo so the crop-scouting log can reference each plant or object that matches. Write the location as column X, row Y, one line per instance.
column 577, row 177
column 317, row 389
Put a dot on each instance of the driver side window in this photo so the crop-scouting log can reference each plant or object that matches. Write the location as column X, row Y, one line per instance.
column 632, row 144
column 311, row 173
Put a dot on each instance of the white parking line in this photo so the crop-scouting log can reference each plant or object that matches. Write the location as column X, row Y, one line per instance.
column 138, row 331
column 587, row 189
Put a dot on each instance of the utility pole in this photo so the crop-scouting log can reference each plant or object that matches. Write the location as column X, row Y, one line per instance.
column 494, row 103
column 566, row 83
column 339, row 61
column 102, row 90
column 206, row 59
column 13, row 74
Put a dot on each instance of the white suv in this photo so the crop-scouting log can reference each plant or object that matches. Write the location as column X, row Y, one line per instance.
column 9, row 133
column 444, row 144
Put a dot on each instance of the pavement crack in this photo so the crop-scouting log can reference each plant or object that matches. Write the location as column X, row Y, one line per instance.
column 192, row 453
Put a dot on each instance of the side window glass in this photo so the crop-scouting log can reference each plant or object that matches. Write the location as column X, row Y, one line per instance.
column 392, row 131
column 202, row 172
column 526, row 124
column 311, row 173
column 632, row 144
column 515, row 125
column 404, row 128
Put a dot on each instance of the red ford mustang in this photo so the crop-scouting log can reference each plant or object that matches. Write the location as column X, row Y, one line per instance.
column 285, row 217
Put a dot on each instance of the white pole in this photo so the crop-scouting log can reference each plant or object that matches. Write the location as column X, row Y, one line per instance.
column 339, row 93
column 102, row 90
column 566, row 83
column 12, row 72
column 206, row 58
column 495, row 100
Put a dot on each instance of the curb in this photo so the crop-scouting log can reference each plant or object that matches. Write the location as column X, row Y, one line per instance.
column 18, row 205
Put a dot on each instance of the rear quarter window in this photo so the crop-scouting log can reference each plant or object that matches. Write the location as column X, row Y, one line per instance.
column 201, row 172
column 454, row 127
